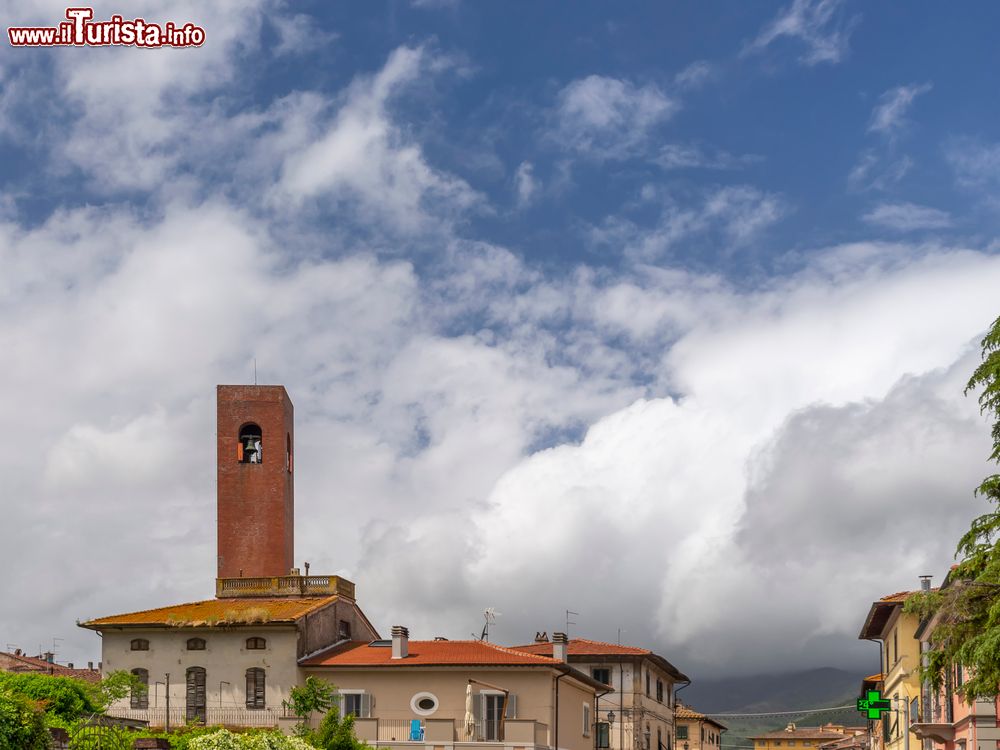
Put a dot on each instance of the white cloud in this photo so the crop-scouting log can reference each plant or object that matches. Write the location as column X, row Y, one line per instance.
column 816, row 24
column 525, row 183
column 976, row 163
column 300, row 33
column 604, row 117
column 907, row 217
column 736, row 214
column 362, row 157
column 889, row 115
column 878, row 172
column 688, row 155
column 695, row 75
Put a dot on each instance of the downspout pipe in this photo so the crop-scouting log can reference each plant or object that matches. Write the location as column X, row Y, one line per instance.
column 597, row 715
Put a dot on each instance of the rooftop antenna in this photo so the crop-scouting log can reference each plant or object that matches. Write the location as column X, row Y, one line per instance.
column 490, row 615
column 619, row 636
column 255, row 371
column 568, row 621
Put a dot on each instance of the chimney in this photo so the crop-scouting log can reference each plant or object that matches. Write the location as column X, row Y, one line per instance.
column 69, row 665
column 925, row 583
column 560, row 647
column 400, row 642
column 90, row 666
column 542, row 637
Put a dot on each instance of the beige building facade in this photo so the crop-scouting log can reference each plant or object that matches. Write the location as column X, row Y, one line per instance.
column 450, row 694
column 694, row 730
column 639, row 714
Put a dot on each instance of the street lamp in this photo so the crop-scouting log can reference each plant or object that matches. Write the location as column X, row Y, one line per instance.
column 611, row 717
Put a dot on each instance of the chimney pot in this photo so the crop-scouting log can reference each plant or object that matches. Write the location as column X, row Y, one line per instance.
column 925, row 583
column 542, row 636
column 400, row 642
column 69, row 664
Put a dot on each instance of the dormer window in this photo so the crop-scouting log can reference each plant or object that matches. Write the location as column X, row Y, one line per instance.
column 196, row 644
column 249, row 445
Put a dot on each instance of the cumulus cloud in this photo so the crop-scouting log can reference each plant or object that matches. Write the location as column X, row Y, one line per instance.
column 816, row 24
column 889, row 115
column 907, row 217
column 605, row 117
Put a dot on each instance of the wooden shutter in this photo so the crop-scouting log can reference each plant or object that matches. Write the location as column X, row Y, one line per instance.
column 255, row 688
column 196, row 694
column 510, row 707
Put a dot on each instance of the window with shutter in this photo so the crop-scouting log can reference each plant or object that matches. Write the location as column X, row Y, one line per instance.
column 139, row 644
column 255, row 688
column 256, row 643
column 139, row 697
column 195, row 697
column 510, row 712
column 196, row 644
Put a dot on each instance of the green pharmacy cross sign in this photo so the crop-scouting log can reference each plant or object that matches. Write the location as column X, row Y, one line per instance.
column 874, row 704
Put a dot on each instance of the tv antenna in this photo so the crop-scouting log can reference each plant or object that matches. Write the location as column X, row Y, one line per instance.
column 490, row 615
column 569, row 621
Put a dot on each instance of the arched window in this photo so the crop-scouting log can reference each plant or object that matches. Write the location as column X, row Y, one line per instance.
column 255, row 688
column 256, row 643
column 139, row 697
column 196, row 644
column 249, row 448
column 139, row 644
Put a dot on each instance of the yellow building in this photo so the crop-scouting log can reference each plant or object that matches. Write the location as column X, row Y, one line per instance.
column 696, row 731
column 895, row 630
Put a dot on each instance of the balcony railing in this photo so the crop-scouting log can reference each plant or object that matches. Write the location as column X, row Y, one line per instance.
column 231, row 716
column 226, row 588
column 392, row 732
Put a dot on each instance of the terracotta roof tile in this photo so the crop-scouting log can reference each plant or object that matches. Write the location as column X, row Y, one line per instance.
column 586, row 647
column 36, row 665
column 427, row 653
column 685, row 712
column 213, row 612
column 899, row 596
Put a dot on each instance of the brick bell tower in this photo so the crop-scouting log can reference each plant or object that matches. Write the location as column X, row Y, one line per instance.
column 255, row 438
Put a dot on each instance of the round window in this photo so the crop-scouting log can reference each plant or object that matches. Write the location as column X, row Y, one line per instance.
column 424, row 704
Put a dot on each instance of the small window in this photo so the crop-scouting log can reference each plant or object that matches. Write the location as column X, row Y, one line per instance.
column 256, row 643
column 344, row 630
column 601, row 675
column 140, row 644
column 659, row 739
column 139, row 696
column 356, row 703
column 682, row 731
column 586, row 719
column 196, row 644
column 659, row 691
column 424, row 704
column 647, row 683
column 249, row 445
column 255, row 688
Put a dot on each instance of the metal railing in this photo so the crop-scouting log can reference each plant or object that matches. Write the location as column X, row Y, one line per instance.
column 399, row 730
column 484, row 730
column 228, row 716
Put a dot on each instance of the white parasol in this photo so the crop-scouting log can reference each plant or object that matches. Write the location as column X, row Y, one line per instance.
column 470, row 718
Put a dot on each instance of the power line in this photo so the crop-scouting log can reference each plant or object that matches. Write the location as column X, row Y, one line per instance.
column 787, row 713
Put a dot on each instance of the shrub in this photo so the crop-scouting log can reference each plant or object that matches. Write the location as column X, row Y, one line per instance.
column 22, row 723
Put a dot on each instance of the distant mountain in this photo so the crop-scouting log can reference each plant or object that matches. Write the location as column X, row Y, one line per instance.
column 825, row 687
column 811, row 688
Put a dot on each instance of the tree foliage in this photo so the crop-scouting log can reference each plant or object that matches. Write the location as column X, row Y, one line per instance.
column 967, row 607
column 22, row 722
column 62, row 697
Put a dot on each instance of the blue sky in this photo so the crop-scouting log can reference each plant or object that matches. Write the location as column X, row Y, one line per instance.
column 699, row 284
